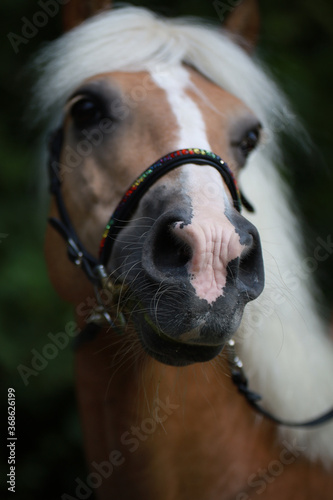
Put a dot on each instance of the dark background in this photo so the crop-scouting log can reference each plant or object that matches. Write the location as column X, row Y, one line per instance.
column 296, row 43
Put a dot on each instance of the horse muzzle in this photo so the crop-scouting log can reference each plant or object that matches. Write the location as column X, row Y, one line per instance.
column 188, row 273
column 191, row 279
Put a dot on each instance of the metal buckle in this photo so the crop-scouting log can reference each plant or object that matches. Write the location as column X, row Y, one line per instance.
column 100, row 314
column 76, row 252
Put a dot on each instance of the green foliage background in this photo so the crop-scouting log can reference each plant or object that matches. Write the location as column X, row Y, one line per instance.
column 296, row 43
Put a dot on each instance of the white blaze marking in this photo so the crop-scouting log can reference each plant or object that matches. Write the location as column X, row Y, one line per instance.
column 192, row 127
column 210, row 234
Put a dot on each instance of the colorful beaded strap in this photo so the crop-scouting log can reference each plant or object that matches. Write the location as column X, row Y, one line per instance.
column 129, row 202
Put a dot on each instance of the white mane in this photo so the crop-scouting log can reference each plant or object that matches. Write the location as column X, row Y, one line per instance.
column 286, row 351
column 135, row 39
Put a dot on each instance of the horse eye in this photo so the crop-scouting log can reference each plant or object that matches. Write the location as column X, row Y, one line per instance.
column 86, row 113
column 249, row 142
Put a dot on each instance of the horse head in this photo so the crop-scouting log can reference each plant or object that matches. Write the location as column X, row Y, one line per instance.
column 187, row 261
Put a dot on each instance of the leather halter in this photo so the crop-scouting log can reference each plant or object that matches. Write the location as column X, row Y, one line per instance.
column 95, row 268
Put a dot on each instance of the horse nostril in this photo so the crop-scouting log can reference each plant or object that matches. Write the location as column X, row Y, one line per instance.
column 251, row 272
column 170, row 253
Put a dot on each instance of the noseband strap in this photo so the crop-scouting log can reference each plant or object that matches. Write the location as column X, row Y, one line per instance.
column 129, row 203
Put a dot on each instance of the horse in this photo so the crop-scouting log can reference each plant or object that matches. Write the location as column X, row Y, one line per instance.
column 195, row 303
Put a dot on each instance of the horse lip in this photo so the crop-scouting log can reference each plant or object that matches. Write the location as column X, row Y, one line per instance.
column 195, row 337
column 192, row 337
column 173, row 352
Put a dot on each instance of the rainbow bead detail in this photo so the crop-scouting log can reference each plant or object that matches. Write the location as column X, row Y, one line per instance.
column 143, row 177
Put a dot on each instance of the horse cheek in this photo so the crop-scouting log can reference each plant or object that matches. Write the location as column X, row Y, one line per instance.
column 68, row 280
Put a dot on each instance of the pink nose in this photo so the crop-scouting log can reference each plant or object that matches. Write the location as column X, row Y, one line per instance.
column 208, row 254
column 214, row 247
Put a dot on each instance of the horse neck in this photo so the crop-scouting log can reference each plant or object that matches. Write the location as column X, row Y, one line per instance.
column 155, row 414
column 162, row 425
